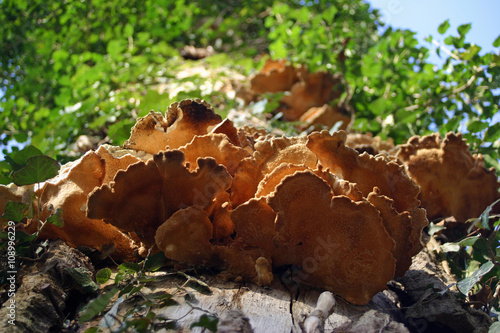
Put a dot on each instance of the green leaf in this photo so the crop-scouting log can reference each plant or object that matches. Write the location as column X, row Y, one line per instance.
column 469, row 241
column 278, row 49
column 493, row 133
column 38, row 169
column 56, row 218
column 15, row 211
column 103, row 275
column 116, row 47
column 496, row 43
column 97, row 305
column 132, row 290
column 464, row 29
column 128, row 30
column 19, row 159
column 450, row 247
column 484, row 218
column 443, row 27
column 120, row 277
column 83, row 277
column 206, row 321
column 466, row 284
column 449, row 40
column 433, row 228
column 165, row 299
column 154, row 262
column 470, row 52
column 129, row 267
column 477, row 126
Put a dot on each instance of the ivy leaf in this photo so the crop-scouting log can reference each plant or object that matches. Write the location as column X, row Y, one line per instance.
column 15, row 211
column 443, row 27
column 466, row 284
column 83, row 277
column 38, row 169
column 18, row 159
column 56, row 218
column 103, row 275
column 206, row 321
column 97, row 305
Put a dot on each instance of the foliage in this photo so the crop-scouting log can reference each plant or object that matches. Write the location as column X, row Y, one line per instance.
column 27, row 167
column 124, row 307
column 91, row 68
column 476, row 261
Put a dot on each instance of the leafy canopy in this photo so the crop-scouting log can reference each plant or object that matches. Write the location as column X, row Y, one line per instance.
column 92, row 67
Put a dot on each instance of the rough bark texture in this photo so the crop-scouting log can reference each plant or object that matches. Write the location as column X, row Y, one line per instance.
column 42, row 296
column 436, row 309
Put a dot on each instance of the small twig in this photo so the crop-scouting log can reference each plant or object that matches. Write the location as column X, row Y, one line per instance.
column 465, row 86
column 33, row 259
column 448, row 52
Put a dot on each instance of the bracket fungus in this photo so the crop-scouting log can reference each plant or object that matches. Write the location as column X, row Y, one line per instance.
column 184, row 120
column 246, row 202
column 372, row 145
column 217, row 146
column 140, row 199
column 453, row 182
column 305, row 91
column 327, row 116
column 68, row 191
column 268, row 155
column 276, row 76
column 341, row 245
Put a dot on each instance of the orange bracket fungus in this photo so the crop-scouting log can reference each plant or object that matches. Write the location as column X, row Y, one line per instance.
column 305, row 91
column 246, row 202
column 341, row 245
column 68, row 191
column 140, row 199
column 184, row 120
column 453, row 182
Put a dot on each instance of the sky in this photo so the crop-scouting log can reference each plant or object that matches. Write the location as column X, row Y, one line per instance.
column 424, row 17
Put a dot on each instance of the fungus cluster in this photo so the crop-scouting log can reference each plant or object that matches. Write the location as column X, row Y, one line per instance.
column 453, row 182
column 207, row 193
column 307, row 95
